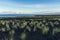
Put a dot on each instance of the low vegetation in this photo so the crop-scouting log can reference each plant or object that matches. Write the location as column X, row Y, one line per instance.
column 29, row 29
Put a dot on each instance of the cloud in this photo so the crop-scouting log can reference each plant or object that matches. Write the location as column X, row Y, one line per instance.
column 11, row 12
column 35, row 12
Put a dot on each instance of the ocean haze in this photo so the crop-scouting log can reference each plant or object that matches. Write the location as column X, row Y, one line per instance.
column 17, row 15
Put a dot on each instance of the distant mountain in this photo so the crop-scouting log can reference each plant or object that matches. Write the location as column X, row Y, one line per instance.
column 54, row 13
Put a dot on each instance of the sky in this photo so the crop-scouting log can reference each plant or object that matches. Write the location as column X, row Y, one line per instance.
column 29, row 6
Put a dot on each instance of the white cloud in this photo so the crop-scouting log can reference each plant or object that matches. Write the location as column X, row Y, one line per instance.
column 37, row 12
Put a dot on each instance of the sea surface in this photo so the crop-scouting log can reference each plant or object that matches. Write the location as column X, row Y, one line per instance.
column 18, row 15
column 15, row 15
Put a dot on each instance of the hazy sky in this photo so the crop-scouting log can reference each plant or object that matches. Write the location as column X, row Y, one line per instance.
column 29, row 6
